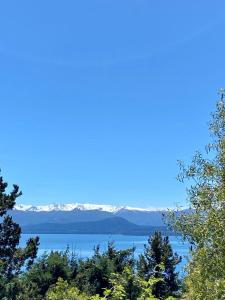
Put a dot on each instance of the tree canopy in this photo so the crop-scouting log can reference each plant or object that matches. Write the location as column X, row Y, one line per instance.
column 204, row 225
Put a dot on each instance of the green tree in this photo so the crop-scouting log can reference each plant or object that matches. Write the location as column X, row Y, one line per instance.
column 158, row 261
column 94, row 273
column 62, row 291
column 49, row 268
column 128, row 285
column 12, row 257
column 147, row 287
column 204, row 226
column 20, row 289
column 124, row 285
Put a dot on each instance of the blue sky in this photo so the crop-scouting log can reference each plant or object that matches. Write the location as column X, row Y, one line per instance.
column 98, row 99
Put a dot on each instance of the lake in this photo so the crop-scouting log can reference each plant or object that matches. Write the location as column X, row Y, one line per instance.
column 83, row 244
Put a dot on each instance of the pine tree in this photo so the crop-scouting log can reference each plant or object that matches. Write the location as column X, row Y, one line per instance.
column 158, row 261
column 12, row 257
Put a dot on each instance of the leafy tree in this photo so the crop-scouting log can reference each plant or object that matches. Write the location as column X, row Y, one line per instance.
column 147, row 287
column 128, row 285
column 204, row 226
column 158, row 261
column 12, row 257
column 62, row 291
column 124, row 285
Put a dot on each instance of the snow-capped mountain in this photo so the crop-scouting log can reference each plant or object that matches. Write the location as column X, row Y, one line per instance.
column 67, row 207
column 82, row 207
column 76, row 212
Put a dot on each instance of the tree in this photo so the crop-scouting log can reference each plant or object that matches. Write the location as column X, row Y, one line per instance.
column 49, row 268
column 12, row 257
column 128, row 285
column 204, row 226
column 124, row 285
column 62, row 291
column 158, row 261
column 94, row 273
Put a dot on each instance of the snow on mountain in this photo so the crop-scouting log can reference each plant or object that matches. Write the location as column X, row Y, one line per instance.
column 87, row 206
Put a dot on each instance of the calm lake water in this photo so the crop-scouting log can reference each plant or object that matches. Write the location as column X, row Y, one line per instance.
column 83, row 244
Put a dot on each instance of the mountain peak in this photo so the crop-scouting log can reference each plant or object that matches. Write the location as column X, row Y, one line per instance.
column 79, row 206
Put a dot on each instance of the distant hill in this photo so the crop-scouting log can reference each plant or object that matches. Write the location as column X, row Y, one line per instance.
column 112, row 225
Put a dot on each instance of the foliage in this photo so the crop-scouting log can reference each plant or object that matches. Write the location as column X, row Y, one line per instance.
column 12, row 257
column 19, row 289
column 158, row 261
column 94, row 273
column 128, row 285
column 204, row 226
column 108, row 275
column 147, row 288
column 49, row 268
column 123, row 286
column 62, row 291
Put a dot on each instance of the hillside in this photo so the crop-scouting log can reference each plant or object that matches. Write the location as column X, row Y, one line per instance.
column 113, row 225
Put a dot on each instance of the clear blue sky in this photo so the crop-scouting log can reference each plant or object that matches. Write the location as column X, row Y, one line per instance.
column 98, row 99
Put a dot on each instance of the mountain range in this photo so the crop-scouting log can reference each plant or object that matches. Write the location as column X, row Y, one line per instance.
column 87, row 218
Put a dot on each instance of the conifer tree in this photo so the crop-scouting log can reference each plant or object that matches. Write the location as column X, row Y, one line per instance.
column 12, row 257
column 158, row 261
